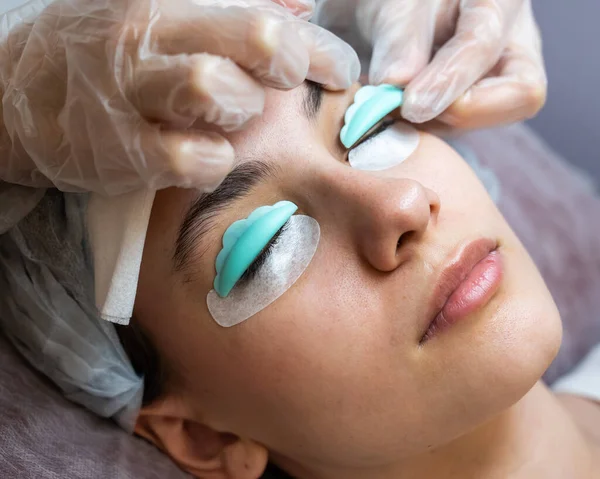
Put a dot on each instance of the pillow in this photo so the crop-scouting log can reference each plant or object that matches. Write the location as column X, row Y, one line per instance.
column 551, row 206
column 44, row 436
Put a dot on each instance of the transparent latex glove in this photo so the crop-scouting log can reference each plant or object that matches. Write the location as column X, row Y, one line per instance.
column 112, row 96
column 465, row 63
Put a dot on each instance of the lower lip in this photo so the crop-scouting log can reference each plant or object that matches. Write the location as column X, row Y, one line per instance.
column 476, row 290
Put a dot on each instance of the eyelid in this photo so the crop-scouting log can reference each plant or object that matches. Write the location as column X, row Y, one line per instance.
column 254, row 268
column 244, row 241
column 377, row 129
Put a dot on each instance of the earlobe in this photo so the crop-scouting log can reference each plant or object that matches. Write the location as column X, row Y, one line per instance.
column 198, row 449
column 245, row 459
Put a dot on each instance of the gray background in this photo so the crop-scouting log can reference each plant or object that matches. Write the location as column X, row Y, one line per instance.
column 569, row 122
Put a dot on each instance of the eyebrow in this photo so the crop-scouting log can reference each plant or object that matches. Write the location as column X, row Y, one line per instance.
column 199, row 219
column 313, row 99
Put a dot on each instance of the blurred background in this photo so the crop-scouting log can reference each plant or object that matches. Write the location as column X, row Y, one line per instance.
column 570, row 121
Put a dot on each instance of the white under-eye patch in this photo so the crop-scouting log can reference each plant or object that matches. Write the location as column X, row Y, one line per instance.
column 386, row 149
column 288, row 259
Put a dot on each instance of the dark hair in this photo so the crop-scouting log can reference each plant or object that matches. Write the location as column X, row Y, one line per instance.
column 145, row 360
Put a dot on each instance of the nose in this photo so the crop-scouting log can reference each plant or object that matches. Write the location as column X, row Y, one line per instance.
column 383, row 215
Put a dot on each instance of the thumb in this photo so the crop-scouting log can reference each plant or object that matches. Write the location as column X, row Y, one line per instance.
column 402, row 38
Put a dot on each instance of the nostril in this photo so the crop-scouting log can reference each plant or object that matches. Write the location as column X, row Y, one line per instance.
column 403, row 239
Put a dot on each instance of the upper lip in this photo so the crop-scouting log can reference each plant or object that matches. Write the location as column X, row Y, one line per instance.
column 461, row 263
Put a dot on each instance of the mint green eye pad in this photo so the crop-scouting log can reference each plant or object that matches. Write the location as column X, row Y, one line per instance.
column 371, row 105
column 244, row 240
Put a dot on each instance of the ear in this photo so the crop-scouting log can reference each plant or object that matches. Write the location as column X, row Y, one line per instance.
column 198, row 449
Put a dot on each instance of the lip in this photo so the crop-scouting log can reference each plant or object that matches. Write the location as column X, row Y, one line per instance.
column 467, row 283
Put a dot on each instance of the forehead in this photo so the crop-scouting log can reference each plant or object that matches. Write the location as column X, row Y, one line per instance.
column 283, row 128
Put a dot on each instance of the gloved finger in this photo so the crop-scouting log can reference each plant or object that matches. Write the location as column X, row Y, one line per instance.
column 516, row 88
column 303, row 9
column 509, row 98
column 402, row 34
column 188, row 159
column 264, row 41
column 447, row 15
column 480, row 38
column 325, row 50
column 178, row 90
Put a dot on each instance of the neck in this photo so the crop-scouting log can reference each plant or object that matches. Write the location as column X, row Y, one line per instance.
column 535, row 438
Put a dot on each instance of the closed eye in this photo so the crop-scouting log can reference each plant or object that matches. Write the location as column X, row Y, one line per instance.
column 378, row 129
column 258, row 263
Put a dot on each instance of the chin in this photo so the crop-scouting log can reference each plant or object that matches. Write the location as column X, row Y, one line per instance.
column 525, row 332
column 508, row 350
column 491, row 367
column 528, row 336
column 541, row 340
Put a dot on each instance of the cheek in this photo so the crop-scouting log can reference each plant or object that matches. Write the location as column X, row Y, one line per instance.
column 442, row 169
column 333, row 350
column 464, row 200
column 326, row 354
column 495, row 362
column 326, row 327
column 525, row 331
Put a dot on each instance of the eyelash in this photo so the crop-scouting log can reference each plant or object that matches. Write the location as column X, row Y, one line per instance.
column 383, row 126
column 258, row 263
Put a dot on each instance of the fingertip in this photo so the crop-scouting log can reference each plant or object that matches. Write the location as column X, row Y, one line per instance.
column 397, row 66
column 333, row 62
column 427, row 95
column 417, row 106
column 345, row 73
column 403, row 43
column 495, row 102
column 201, row 161
column 538, row 96
column 398, row 74
column 287, row 60
column 224, row 94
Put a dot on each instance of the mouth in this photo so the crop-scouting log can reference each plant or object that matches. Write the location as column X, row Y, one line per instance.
column 466, row 284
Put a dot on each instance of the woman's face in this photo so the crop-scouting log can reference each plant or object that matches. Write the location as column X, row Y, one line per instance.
column 336, row 371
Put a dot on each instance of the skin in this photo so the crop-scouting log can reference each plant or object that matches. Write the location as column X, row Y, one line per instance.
column 331, row 380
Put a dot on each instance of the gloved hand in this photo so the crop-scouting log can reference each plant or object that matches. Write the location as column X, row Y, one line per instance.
column 115, row 95
column 487, row 66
